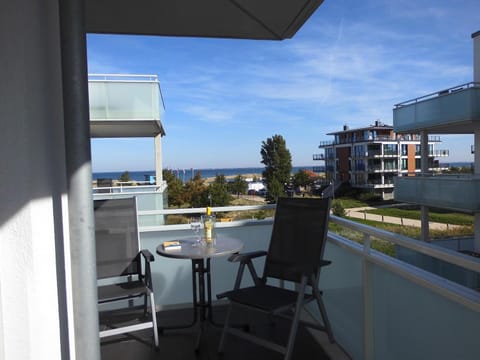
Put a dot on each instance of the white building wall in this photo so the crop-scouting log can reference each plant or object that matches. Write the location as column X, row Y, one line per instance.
column 32, row 173
column 476, row 56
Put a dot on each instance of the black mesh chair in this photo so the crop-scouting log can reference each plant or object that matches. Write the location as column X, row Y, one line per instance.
column 295, row 255
column 120, row 274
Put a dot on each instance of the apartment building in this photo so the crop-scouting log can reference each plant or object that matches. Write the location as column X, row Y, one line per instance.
column 370, row 157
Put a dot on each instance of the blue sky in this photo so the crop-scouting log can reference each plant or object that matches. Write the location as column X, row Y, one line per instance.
column 349, row 64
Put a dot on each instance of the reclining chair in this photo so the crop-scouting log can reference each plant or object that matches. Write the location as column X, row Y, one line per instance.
column 295, row 255
column 120, row 274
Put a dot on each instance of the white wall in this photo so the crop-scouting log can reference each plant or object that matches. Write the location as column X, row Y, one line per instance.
column 32, row 185
column 476, row 56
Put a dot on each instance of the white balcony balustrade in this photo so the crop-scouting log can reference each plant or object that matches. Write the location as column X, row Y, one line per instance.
column 380, row 307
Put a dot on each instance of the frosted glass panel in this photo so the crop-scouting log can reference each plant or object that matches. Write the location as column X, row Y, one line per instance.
column 124, row 100
column 341, row 283
column 412, row 322
column 97, row 96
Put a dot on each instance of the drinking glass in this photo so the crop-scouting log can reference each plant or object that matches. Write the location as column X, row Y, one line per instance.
column 195, row 225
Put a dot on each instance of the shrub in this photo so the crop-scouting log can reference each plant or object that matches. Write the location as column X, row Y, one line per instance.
column 338, row 209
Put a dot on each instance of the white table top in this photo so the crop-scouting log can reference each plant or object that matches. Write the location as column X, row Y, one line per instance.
column 223, row 246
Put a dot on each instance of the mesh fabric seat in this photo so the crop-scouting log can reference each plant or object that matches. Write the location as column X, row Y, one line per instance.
column 295, row 255
column 123, row 270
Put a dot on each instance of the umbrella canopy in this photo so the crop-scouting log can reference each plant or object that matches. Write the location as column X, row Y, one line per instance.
column 243, row 19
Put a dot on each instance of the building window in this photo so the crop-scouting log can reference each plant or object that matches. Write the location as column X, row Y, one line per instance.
column 374, row 165
column 390, row 164
column 404, row 164
column 359, row 151
column 359, row 165
column 404, row 149
column 329, row 153
column 374, row 149
column 390, row 149
column 418, row 150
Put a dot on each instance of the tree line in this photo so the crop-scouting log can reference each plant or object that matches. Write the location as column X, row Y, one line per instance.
column 277, row 177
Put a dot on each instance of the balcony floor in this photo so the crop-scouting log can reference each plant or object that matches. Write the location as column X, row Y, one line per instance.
column 179, row 344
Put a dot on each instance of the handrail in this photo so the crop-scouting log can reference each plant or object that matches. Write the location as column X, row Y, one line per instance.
column 122, row 77
column 450, row 256
column 130, row 189
column 437, row 94
column 443, row 254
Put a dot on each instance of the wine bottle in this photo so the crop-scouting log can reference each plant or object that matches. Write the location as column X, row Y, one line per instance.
column 209, row 227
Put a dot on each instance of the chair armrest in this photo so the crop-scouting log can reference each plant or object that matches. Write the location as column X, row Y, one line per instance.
column 245, row 257
column 147, row 255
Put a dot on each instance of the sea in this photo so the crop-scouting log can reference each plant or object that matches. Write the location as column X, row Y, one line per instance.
column 187, row 174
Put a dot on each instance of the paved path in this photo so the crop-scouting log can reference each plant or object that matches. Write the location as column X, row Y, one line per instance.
column 361, row 213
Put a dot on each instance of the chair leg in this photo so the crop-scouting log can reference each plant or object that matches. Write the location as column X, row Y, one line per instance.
column 154, row 319
column 296, row 319
column 225, row 328
column 326, row 322
column 145, row 305
column 321, row 307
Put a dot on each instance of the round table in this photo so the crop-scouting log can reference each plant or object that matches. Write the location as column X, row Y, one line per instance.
column 200, row 256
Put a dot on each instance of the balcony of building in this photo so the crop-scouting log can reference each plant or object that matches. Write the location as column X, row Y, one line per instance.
column 380, row 306
column 456, row 192
column 317, row 157
column 452, row 111
column 125, row 106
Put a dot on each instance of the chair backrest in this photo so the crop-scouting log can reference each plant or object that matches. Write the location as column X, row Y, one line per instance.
column 298, row 237
column 116, row 237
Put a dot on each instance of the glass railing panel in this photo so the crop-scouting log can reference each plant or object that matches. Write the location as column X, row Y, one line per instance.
column 452, row 272
column 152, row 201
column 452, row 192
column 413, row 322
column 436, row 110
column 124, row 100
column 342, row 295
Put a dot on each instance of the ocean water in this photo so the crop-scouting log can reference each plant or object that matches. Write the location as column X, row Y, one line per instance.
column 187, row 174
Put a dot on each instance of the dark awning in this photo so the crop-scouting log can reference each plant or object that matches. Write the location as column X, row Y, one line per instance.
column 244, row 19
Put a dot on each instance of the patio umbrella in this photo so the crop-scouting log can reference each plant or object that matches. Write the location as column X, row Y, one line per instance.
column 243, row 19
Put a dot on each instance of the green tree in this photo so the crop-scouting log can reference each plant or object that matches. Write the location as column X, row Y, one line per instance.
column 175, row 188
column 238, row 185
column 217, row 192
column 278, row 166
column 302, row 178
column 194, row 191
column 125, row 177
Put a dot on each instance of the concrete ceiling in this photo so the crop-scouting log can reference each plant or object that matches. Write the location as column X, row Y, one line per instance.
column 243, row 19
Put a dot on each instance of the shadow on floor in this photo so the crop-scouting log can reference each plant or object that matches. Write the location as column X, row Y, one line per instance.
column 180, row 344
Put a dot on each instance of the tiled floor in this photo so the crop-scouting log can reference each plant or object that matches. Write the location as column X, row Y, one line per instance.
column 180, row 344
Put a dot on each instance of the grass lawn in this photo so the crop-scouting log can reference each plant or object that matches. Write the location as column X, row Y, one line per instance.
column 441, row 217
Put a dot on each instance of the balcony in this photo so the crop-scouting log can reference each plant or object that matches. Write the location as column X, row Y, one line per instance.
column 380, row 307
column 452, row 111
column 318, row 156
column 456, row 192
column 125, row 106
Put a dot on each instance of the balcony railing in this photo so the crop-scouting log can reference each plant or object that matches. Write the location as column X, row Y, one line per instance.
column 380, row 307
column 457, row 192
column 125, row 105
column 456, row 108
column 318, row 156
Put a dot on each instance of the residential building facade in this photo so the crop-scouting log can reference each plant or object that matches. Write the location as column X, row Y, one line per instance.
column 370, row 157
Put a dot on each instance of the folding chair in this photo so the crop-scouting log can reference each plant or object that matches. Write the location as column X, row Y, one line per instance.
column 120, row 274
column 295, row 255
